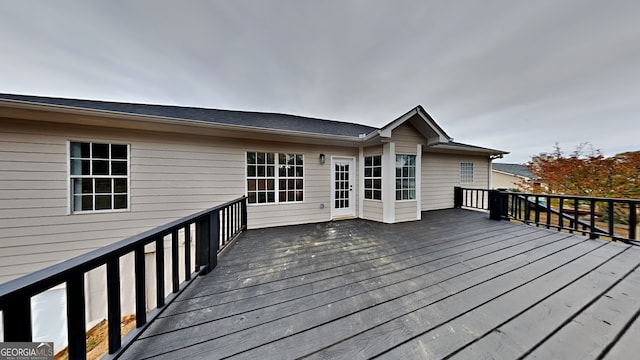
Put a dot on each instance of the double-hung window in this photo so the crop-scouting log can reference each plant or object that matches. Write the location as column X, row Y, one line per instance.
column 405, row 177
column 290, row 179
column 274, row 177
column 466, row 172
column 99, row 175
column 373, row 177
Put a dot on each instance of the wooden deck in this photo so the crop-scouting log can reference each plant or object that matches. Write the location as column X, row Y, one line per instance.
column 454, row 285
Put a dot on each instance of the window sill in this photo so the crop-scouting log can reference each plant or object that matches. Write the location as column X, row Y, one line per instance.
column 278, row 203
column 87, row 212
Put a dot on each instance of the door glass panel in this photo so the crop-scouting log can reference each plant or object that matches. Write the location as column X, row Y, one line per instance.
column 342, row 185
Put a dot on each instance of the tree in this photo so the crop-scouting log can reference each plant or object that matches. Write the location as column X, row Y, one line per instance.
column 586, row 172
column 627, row 182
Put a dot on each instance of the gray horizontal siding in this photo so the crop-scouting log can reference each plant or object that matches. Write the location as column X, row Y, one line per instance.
column 406, row 210
column 406, row 138
column 441, row 172
column 373, row 210
column 171, row 176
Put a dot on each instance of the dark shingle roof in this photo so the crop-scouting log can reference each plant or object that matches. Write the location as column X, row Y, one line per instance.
column 229, row 117
column 515, row 169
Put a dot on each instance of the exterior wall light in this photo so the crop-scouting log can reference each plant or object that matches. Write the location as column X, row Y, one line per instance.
column 322, row 159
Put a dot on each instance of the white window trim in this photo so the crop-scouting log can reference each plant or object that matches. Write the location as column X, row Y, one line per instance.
column 70, row 210
column 277, row 178
column 364, row 178
column 415, row 165
column 462, row 179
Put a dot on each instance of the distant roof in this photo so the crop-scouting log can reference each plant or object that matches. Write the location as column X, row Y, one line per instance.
column 514, row 169
column 229, row 117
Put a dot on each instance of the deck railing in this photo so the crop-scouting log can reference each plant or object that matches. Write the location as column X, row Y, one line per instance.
column 610, row 218
column 471, row 198
column 214, row 229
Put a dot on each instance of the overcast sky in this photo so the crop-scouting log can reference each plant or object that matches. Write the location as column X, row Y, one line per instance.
column 513, row 75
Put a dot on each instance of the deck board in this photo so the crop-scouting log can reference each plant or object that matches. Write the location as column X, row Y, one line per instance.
column 454, row 284
column 529, row 328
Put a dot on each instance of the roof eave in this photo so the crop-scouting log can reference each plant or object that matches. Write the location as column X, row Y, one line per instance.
column 445, row 147
column 82, row 116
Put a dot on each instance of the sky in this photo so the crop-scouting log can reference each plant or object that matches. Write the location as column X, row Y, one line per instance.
column 518, row 76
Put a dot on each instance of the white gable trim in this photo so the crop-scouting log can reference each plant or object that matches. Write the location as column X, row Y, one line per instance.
column 419, row 119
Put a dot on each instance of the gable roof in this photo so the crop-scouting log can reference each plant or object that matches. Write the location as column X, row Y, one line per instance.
column 228, row 117
column 513, row 169
column 423, row 122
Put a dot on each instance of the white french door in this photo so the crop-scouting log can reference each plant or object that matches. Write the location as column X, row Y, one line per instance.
column 342, row 192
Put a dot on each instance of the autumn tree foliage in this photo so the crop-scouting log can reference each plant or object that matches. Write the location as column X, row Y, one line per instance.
column 586, row 172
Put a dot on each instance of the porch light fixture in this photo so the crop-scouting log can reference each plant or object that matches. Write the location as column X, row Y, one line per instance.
column 322, row 158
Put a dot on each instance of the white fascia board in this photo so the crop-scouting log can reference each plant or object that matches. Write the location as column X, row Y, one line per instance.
column 460, row 149
column 387, row 129
column 441, row 135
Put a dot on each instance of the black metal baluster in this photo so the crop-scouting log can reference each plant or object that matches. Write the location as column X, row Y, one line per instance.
column 592, row 221
column 633, row 221
column 561, row 215
column 576, row 213
column 610, row 205
column 214, row 238
column 548, row 200
column 160, row 271
column 244, row 213
column 16, row 316
column 175, row 263
column 228, row 224
column 187, row 252
column 202, row 243
column 140, row 284
column 113, row 304
column 76, row 331
column 527, row 210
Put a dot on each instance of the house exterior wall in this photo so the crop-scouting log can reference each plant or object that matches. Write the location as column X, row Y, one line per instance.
column 500, row 180
column 441, row 172
column 405, row 210
column 373, row 210
column 372, row 150
column 317, row 186
column 406, row 137
column 171, row 176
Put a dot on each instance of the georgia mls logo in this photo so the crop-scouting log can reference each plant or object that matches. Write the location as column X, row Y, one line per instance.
column 26, row 351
